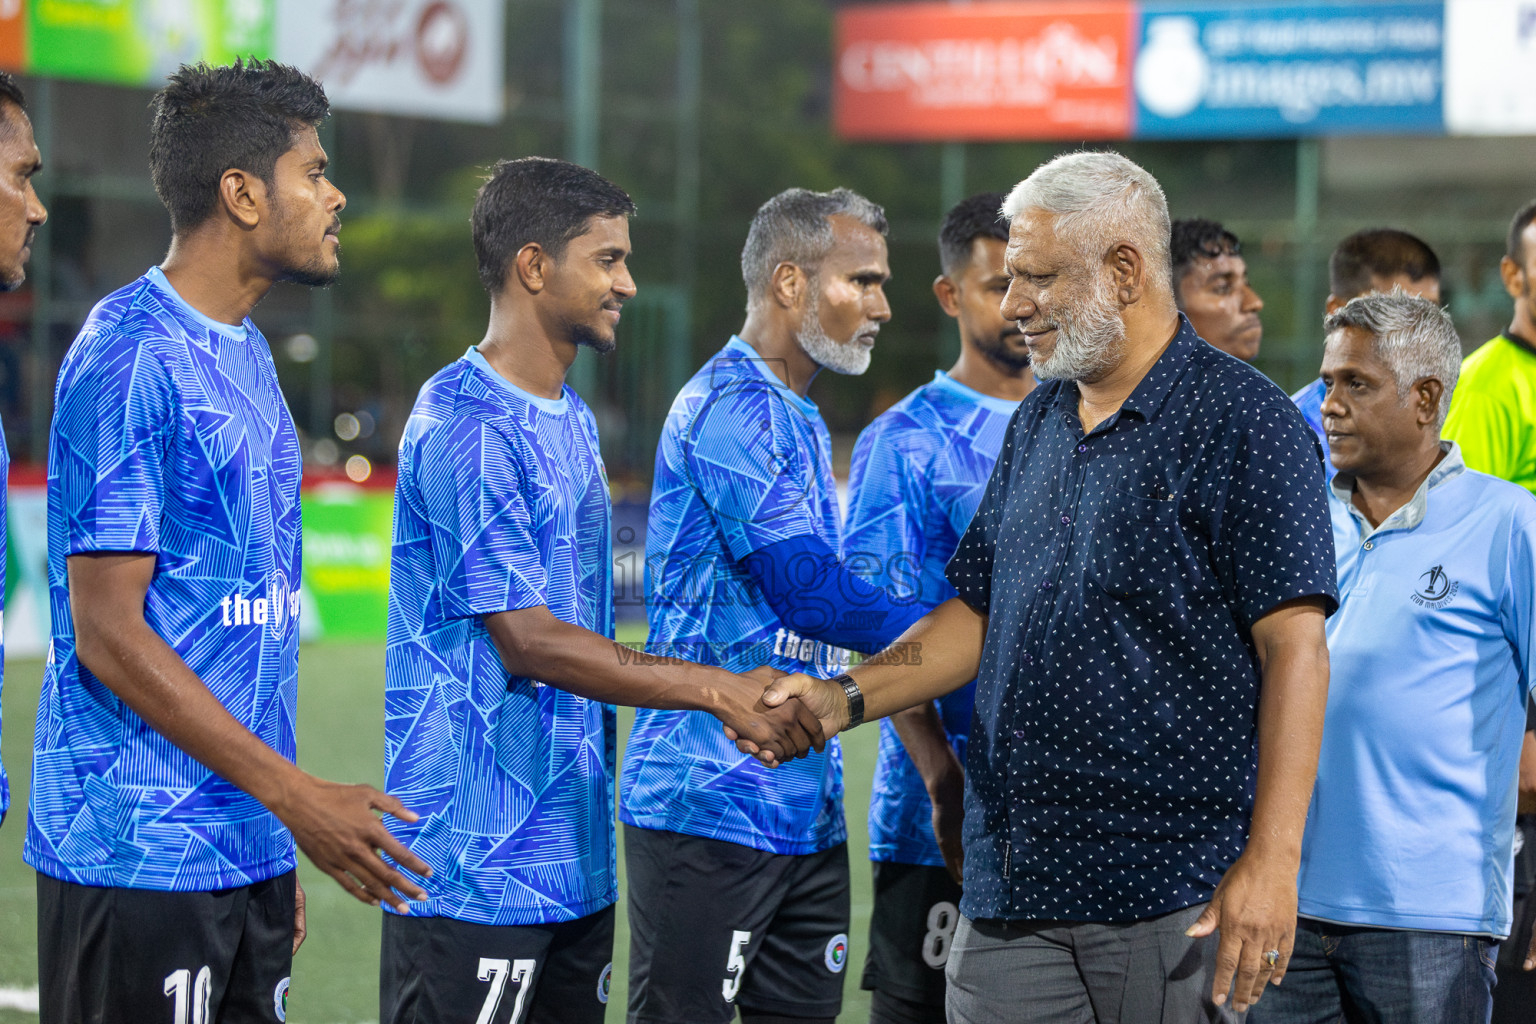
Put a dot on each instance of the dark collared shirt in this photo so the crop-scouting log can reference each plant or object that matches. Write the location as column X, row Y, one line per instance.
column 1111, row 765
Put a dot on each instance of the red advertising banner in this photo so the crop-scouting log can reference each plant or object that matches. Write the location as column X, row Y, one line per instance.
column 1004, row 70
column 13, row 35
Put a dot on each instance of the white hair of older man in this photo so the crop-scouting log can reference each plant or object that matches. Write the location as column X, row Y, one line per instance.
column 1414, row 338
column 1099, row 199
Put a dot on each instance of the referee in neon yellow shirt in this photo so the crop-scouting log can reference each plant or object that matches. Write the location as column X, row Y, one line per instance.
column 1493, row 413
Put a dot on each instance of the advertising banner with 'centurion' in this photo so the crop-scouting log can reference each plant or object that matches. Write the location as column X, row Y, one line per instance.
column 1003, row 70
column 1166, row 69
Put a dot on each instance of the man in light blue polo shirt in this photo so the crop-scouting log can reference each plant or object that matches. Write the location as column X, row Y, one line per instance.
column 1404, row 888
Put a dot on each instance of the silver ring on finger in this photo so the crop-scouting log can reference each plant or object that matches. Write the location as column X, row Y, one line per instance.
column 1272, row 957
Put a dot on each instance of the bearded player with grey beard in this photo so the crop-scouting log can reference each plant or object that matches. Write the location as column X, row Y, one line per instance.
column 1140, row 598
column 739, row 877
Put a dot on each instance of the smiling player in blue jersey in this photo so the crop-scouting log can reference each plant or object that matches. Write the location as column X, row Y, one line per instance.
column 21, row 214
column 165, row 803
column 738, row 877
column 501, row 669
column 919, row 471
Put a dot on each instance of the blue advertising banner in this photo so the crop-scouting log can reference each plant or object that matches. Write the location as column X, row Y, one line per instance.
column 1251, row 70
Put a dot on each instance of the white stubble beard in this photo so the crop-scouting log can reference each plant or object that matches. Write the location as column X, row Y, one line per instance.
column 846, row 357
column 1089, row 339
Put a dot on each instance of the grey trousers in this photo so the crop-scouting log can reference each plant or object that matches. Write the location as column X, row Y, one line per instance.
column 1074, row 972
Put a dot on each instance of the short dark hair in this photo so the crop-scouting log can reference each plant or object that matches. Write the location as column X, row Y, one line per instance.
column 209, row 119
column 10, row 92
column 537, row 199
column 1514, row 245
column 1195, row 238
column 978, row 216
column 1378, row 252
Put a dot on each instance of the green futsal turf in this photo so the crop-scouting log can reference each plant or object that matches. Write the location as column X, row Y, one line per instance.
column 341, row 737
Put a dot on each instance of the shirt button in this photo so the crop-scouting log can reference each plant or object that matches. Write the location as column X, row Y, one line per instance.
column 1065, row 520
column 1018, row 734
column 1368, row 545
column 1046, row 585
column 1082, row 447
column 1027, row 658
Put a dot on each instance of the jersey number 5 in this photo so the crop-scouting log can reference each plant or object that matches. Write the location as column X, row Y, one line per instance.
column 735, row 965
column 498, row 973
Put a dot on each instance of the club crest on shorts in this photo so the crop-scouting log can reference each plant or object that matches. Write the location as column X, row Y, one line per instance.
column 605, row 983
column 836, row 957
column 280, row 1000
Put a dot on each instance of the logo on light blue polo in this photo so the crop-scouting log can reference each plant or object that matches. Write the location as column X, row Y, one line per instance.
column 1435, row 588
column 1289, row 69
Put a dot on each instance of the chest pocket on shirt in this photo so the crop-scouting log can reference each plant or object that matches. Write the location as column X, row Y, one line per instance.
column 1135, row 543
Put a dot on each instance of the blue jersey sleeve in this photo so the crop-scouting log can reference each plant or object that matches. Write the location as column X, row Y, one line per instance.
column 113, row 418
column 970, row 568
column 885, row 542
column 807, row 587
column 752, row 460
column 468, row 479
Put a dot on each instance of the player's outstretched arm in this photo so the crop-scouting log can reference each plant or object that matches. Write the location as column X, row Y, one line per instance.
column 939, row 653
column 535, row 644
column 335, row 825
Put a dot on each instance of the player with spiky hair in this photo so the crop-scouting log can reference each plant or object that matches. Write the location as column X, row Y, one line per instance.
column 165, row 800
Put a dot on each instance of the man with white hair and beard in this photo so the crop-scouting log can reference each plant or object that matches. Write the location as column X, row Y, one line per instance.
column 738, row 874
column 1141, row 597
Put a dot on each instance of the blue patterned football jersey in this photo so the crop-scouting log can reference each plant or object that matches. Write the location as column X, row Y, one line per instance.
column 170, row 437
column 501, row 504
column 918, row 474
column 743, row 463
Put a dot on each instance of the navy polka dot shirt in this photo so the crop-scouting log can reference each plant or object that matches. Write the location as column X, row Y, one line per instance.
column 1111, row 765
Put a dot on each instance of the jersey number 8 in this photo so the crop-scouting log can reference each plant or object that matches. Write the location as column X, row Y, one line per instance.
column 943, row 918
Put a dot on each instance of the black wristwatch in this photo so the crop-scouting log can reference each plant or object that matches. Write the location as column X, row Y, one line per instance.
column 855, row 699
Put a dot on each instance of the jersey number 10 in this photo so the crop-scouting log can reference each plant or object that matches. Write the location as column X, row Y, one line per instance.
column 177, row 984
